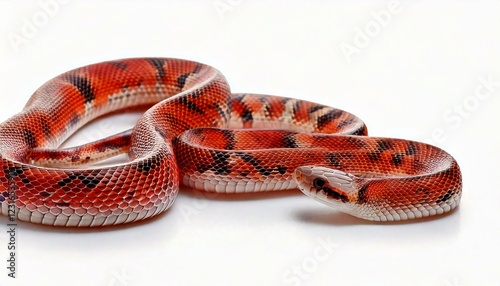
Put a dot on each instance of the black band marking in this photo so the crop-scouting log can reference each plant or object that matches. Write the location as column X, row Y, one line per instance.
column 316, row 108
column 289, row 141
column 383, row 145
column 334, row 160
column 181, row 80
column 246, row 116
column 158, row 65
column 411, row 149
column 74, row 120
column 30, row 138
column 257, row 165
column 13, row 172
column 190, row 105
column 221, row 166
column 362, row 194
column 83, row 85
column 328, row 117
column 374, row 156
column 344, row 123
column 146, row 166
column 397, row 159
column 46, row 128
column 229, row 135
column 360, row 131
column 222, row 112
column 119, row 64
column 445, row 197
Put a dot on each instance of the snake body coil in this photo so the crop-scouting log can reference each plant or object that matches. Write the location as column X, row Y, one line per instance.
column 317, row 148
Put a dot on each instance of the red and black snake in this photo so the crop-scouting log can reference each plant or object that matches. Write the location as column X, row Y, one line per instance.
column 200, row 134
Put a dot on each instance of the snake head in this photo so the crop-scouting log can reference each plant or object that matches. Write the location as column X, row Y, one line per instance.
column 331, row 187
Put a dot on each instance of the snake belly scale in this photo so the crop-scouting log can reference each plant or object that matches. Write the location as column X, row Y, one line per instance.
column 199, row 134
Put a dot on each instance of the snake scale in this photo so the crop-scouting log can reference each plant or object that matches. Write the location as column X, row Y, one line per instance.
column 199, row 134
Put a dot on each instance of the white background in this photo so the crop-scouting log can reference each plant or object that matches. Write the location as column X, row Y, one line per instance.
column 413, row 75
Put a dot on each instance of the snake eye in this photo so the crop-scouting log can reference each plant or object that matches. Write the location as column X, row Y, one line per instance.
column 318, row 183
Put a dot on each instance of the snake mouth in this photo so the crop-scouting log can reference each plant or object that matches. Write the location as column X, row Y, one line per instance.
column 302, row 176
column 328, row 186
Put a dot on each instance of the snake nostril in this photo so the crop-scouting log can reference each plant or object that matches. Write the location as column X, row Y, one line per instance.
column 318, row 183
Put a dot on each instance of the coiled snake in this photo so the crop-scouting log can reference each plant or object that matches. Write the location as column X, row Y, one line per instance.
column 294, row 143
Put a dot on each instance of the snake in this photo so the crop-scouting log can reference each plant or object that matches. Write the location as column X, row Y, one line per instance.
column 195, row 132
